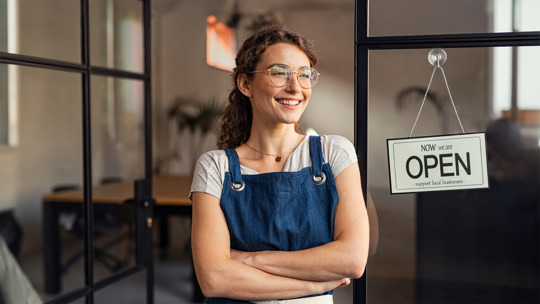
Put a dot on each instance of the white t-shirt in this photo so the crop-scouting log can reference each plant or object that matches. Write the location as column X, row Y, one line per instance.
column 210, row 170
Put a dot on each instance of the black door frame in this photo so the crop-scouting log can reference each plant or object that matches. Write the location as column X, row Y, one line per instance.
column 142, row 201
column 364, row 43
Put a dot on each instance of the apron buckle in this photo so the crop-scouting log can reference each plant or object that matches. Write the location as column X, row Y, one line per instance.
column 238, row 187
column 318, row 180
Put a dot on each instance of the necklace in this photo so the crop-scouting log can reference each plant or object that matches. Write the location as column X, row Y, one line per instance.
column 277, row 156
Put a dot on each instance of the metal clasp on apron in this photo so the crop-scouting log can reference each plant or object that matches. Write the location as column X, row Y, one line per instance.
column 238, row 187
column 318, row 180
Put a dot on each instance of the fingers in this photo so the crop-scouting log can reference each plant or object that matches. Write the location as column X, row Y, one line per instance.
column 345, row 282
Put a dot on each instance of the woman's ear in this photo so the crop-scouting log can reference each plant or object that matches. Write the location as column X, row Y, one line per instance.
column 244, row 84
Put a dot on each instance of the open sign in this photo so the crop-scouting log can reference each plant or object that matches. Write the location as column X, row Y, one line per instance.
column 435, row 163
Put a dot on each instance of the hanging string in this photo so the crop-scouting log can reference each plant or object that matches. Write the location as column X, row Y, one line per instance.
column 452, row 100
column 438, row 66
column 423, row 101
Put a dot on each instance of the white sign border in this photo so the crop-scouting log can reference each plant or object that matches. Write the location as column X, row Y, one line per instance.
column 391, row 176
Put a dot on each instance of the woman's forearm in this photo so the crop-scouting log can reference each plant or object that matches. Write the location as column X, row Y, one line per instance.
column 327, row 262
column 239, row 281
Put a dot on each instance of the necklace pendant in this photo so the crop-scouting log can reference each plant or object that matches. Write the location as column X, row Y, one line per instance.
column 278, row 158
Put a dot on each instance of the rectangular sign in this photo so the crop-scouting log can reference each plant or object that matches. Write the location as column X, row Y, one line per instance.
column 437, row 163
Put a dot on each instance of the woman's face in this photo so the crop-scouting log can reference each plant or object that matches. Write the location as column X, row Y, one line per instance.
column 271, row 104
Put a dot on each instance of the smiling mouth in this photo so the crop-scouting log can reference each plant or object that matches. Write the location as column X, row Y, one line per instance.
column 288, row 102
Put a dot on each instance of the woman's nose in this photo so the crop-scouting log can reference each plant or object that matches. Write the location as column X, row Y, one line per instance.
column 293, row 84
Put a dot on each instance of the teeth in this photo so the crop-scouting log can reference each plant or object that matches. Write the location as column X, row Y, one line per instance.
column 289, row 102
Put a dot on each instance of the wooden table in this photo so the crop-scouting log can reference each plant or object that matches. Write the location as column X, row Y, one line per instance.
column 167, row 190
column 170, row 194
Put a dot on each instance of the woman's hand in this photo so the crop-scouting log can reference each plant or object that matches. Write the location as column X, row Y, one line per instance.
column 345, row 282
column 331, row 285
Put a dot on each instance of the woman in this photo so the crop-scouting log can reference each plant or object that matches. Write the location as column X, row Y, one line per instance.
column 276, row 215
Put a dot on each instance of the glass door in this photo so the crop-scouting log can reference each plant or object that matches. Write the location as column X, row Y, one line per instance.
column 460, row 246
column 75, row 143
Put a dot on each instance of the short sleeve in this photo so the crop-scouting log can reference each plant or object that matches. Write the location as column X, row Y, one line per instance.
column 339, row 152
column 209, row 173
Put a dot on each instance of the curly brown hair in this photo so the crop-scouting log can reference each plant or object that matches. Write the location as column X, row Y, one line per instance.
column 238, row 116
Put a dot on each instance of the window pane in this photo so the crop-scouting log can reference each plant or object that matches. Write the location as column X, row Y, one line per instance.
column 426, row 17
column 45, row 28
column 117, row 128
column 117, row 160
column 47, row 156
column 466, row 246
column 116, row 34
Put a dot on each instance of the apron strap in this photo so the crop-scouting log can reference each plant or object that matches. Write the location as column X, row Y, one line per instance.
column 315, row 151
column 234, row 165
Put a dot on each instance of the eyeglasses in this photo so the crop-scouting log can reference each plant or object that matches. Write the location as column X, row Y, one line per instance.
column 280, row 75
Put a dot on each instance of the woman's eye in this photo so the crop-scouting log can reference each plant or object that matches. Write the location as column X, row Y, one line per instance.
column 279, row 73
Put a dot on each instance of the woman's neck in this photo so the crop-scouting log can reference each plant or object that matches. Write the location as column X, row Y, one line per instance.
column 274, row 141
column 268, row 151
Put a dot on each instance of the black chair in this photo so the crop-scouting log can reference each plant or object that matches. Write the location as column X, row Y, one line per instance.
column 11, row 232
column 108, row 220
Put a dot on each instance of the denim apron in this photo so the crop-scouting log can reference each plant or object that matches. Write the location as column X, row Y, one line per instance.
column 285, row 211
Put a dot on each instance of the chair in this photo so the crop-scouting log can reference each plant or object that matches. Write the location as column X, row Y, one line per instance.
column 14, row 284
column 108, row 221
column 11, row 232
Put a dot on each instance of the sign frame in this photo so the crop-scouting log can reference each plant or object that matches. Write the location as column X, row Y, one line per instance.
column 419, row 180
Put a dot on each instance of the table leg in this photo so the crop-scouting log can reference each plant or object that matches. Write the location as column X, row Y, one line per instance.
column 163, row 235
column 51, row 248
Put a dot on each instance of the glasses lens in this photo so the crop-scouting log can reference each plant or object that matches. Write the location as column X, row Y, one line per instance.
column 279, row 75
column 307, row 77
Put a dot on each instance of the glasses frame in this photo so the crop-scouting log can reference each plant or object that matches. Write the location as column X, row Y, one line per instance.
column 289, row 78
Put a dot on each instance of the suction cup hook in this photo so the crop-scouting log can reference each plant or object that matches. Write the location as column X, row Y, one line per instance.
column 437, row 57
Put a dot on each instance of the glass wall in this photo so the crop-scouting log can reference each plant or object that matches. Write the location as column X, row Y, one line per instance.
column 117, row 111
column 65, row 115
column 476, row 246
column 47, row 159
column 462, row 246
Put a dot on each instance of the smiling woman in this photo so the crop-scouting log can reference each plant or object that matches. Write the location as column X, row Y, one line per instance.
column 276, row 214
